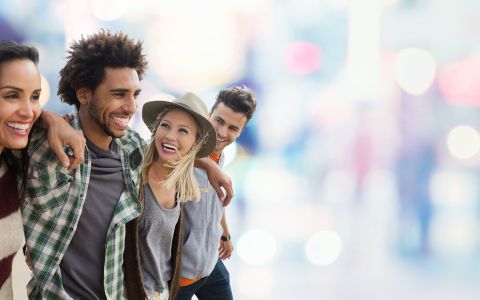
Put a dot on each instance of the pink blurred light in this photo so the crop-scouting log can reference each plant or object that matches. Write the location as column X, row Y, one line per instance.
column 459, row 82
column 303, row 58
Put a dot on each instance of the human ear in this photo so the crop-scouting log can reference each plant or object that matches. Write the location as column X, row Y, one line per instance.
column 83, row 95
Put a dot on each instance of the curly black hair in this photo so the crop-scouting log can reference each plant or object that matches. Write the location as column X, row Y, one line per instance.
column 89, row 57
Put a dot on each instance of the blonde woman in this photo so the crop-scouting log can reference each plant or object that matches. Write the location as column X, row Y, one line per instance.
column 181, row 133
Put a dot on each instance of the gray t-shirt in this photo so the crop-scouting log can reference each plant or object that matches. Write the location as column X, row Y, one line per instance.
column 83, row 263
column 155, row 234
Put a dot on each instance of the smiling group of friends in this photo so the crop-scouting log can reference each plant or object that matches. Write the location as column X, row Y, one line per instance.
column 104, row 214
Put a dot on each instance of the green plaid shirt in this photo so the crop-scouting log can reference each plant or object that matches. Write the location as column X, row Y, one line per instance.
column 53, row 203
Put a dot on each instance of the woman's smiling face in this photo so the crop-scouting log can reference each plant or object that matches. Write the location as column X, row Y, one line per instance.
column 19, row 101
column 175, row 135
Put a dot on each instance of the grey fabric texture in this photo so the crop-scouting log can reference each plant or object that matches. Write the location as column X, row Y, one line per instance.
column 155, row 234
column 83, row 263
column 202, row 230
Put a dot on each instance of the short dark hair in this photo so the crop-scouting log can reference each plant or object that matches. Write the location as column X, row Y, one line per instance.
column 89, row 57
column 10, row 50
column 239, row 99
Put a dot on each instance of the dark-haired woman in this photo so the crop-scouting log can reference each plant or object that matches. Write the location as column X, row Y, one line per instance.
column 20, row 88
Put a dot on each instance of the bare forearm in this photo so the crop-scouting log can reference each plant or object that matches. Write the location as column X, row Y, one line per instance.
column 48, row 118
column 223, row 223
column 217, row 178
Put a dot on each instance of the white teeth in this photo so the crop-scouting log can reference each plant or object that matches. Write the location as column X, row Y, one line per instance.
column 18, row 126
column 169, row 147
column 123, row 121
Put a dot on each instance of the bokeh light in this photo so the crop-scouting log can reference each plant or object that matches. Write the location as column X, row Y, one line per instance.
column 45, row 94
column 415, row 70
column 248, row 282
column 463, row 142
column 109, row 10
column 264, row 183
column 454, row 188
column 463, row 89
column 257, row 247
column 197, row 48
column 323, row 248
column 303, row 58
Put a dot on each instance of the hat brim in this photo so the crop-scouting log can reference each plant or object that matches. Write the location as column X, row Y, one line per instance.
column 152, row 109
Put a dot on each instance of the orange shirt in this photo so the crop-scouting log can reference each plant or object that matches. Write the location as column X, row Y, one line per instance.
column 186, row 281
column 215, row 157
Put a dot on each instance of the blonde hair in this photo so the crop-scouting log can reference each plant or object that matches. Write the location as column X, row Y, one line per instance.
column 181, row 176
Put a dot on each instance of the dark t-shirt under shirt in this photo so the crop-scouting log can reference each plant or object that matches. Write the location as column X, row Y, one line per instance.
column 83, row 263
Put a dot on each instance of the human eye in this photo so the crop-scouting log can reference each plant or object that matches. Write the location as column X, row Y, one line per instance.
column 36, row 96
column 12, row 96
column 136, row 94
column 119, row 94
column 164, row 125
column 184, row 131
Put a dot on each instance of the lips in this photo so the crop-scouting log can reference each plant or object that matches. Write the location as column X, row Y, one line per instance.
column 19, row 128
column 169, row 148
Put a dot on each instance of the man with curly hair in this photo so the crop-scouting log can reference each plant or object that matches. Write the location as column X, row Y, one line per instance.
column 75, row 221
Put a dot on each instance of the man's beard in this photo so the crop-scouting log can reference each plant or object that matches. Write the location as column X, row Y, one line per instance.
column 93, row 112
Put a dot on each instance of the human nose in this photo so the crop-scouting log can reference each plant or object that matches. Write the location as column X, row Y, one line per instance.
column 130, row 105
column 26, row 109
column 221, row 131
column 170, row 135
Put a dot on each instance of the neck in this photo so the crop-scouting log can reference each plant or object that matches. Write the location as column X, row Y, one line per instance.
column 158, row 171
column 92, row 131
column 157, row 175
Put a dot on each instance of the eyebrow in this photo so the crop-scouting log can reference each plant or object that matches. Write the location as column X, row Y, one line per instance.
column 124, row 90
column 11, row 87
column 170, row 122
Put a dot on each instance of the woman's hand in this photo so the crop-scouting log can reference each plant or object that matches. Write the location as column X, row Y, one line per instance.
column 60, row 135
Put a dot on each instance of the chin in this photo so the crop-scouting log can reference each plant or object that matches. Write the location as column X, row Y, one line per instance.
column 16, row 146
column 118, row 134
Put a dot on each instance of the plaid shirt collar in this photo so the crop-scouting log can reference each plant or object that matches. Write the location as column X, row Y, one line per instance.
column 52, row 208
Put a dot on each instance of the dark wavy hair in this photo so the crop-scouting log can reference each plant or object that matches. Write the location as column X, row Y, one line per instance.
column 11, row 50
column 239, row 99
column 88, row 58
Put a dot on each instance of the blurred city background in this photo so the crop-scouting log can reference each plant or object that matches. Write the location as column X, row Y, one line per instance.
column 358, row 177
